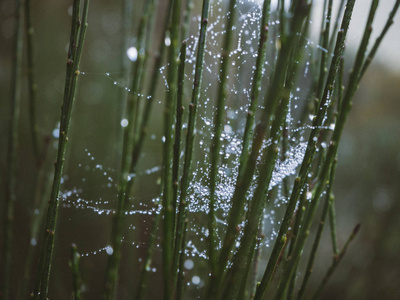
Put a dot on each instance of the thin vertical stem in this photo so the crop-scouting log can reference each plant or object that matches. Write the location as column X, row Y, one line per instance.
column 190, row 135
column 216, row 143
column 256, row 84
column 74, row 56
column 144, row 275
column 180, row 289
column 126, row 181
column 169, row 115
column 76, row 276
column 12, row 150
column 177, row 152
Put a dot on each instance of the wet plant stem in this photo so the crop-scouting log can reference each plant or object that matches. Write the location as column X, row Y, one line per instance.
column 126, row 180
column 76, row 276
column 216, row 143
column 190, row 136
column 179, row 236
column 256, row 83
column 144, row 275
column 77, row 37
column 314, row 249
column 169, row 116
column 306, row 164
column 269, row 155
column 336, row 261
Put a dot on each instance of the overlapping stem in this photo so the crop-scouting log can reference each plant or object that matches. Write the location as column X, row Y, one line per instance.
column 256, row 83
column 190, row 135
column 270, row 153
column 378, row 41
column 216, row 143
column 126, row 181
column 304, row 169
column 77, row 37
column 325, row 210
column 337, row 259
column 12, row 150
column 169, row 115
column 274, row 109
column 177, row 152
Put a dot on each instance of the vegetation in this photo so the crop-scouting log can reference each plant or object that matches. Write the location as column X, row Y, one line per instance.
column 230, row 212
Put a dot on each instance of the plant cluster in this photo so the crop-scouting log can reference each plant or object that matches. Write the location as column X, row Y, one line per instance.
column 235, row 265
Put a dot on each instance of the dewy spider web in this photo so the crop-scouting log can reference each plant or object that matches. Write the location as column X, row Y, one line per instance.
column 242, row 59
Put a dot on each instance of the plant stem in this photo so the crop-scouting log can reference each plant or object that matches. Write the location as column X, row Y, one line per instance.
column 179, row 236
column 126, row 180
column 290, row 49
column 74, row 55
column 12, row 150
column 170, row 104
column 144, row 275
column 319, row 232
column 190, row 135
column 304, row 169
column 216, row 143
column 42, row 193
column 378, row 41
column 180, row 289
column 337, row 259
column 255, row 89
column 76, row 277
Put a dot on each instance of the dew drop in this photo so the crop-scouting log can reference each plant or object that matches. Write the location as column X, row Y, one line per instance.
column 56, row 133
column 167, row 41
column 132, row 53
column 124, row 123
column 109, row 250
column 189, row 264
column 196, row 280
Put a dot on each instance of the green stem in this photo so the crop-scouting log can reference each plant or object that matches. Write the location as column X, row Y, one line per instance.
column 378, row 41
column 144, row 275
column 325, row 210
column 304, row 169
column 336, row 262
column 43, row 188
column 12, row 150
column 190, row 136
column 170, row 104
column 76, row 277
column 332, row 223
column 74, row 55
column 324, row 54
column 216, row 142
column 256, row 84
column 180, row 289
column 177, row 151
column 126, row 181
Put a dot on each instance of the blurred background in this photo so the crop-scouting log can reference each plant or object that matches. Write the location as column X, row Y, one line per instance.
column 366, row 189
